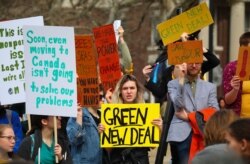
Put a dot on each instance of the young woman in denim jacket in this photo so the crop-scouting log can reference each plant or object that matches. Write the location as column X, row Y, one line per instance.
column 84, row 137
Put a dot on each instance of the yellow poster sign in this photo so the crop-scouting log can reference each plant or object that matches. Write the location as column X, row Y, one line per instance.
column 190, row 21
column 188, row 52
column 130, row 125
column 245, row 100
column 243, row 63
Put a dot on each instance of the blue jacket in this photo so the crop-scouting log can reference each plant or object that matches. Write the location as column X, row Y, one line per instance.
column 84, row 140
column 17, row 127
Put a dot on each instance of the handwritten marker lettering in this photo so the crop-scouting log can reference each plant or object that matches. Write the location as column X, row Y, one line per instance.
column 244, row 64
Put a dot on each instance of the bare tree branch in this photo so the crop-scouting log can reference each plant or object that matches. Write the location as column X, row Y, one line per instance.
column 142, row 17
column 85, row 10
column 169, row 7
column 127, row 3
column 112, row 12
column 73, row 5
column 88, row 8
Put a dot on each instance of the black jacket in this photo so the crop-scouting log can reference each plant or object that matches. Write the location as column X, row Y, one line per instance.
column 25, row 148
column 129, row 156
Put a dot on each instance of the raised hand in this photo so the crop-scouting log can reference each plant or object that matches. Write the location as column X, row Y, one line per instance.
column 146, row 72
column 108, row 95
column 235, row 83
column 182, row 114
column 101, row 128
column 184, row 36
column 58, row 151
column 158, row 122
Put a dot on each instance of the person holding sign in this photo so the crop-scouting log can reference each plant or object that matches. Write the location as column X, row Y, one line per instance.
column 159, row 87
column 188, row 94
column 211, row 60
column 232, row 84
column 40, row 146
column 129, row 91
column 84, row 136
column 126, row 60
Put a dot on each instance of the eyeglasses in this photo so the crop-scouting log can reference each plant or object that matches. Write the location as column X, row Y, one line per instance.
column 9, row 137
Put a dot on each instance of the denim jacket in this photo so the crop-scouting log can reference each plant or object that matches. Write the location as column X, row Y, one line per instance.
column 84, row 140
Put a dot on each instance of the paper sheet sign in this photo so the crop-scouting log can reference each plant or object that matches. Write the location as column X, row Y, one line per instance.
column 86, row 68
column 243, row 63
column 12, row 82
column 108, row 57
column 188, row 52
column 116, row 24
column 190, row 21
column 50, row 71
column 129, row 125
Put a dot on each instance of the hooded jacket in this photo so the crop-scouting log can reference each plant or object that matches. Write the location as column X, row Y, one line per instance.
column 197, row 121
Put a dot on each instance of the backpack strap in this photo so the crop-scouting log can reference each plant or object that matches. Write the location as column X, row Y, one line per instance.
column 32, row 145
column 9, row 115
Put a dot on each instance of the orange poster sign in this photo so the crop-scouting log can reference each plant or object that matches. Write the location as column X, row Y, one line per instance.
column 86, row 68
column 243, row 63
column 188, row 52
column 108, row 57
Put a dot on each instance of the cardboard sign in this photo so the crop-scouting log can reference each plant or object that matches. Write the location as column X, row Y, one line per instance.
column 245, row 100
column 190, row 21
column 86, row 68
column 129, row 125
column 12, row 65
column 245, row 106
column 243, row 63
column 188, row 52
column 50, row 70
column 108, row 58
column 246, row 87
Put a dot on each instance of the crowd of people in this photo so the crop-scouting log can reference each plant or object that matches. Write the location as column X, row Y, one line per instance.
column 203, row 129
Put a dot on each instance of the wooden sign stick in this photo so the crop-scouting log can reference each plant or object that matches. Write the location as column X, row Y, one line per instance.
column 55, row 134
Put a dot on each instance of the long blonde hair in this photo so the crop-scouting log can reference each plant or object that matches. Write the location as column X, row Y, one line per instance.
column 117, row 97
